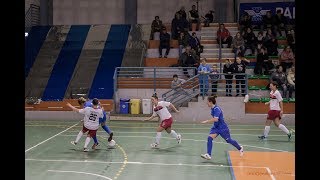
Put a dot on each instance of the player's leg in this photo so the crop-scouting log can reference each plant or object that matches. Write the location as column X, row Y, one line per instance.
column 213, row 134
column 91, row 134
column 225, row 134
column 167, row 127
column 84, row 130
column 266, row 131
column 277, row 122
column 158, row 137
column 103, row 121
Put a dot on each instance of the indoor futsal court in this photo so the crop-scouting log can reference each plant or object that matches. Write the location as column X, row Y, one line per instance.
column 49, row 154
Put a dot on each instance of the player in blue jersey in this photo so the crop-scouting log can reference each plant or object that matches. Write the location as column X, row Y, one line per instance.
column 219, row 127
column 102, row 121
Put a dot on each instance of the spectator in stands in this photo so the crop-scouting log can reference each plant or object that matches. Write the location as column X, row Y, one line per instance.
column 224, row 34
column 267, row 21
column 260, row 40
column 291, row 39
column 228, row 70
column 214, row 76
column 164, row 42
column 271, row 43
column 156, row 26
column 208, row 18
column 245, row 22
column 183, row 41
column 176, row 86
column 178, row 25
column 188, row 59
column 280, row 22
column 238, row 44
column 194, row 17
column 204, row 71
column 182, row 12
column 280, row 77
column 240, row 67
column 286, row 58
column 249, row 41
column 194, row 42
column 291, row 81
column 263, row 61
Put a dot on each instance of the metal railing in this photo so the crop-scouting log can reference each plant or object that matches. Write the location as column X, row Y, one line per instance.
column 32, row 17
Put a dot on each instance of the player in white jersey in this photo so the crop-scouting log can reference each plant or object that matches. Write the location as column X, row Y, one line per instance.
column 160, row 108
column 90, row 122
column 275, row 112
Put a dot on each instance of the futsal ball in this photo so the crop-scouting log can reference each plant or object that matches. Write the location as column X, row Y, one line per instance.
column 112, row 143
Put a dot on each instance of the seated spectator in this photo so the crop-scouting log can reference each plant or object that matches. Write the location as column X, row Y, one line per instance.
column 249, row 41
column 178, row 25
column 176, row 86
column 280, row 22
column 267, row 21
column 291, row 39
column 224, row 34
column 286, row 58
column 245, row 22
column 194, row 43
column 183, row 41
column 240, row 67
column 182, row 12
column 263, row 61
column 280, row 78
column 228, row 70
column 204, row 71
column 271, row 43
column 208, row 18
column 194, row 17
column 188, row 59
column 214, row 76
column 260, row 40
column 164, row 42
column 238, row 44
column 156, row 26
column 291, row 81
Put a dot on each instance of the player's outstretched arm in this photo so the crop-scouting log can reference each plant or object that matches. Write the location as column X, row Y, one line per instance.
column 72, row 107
column 210, row 120
column 266, row 103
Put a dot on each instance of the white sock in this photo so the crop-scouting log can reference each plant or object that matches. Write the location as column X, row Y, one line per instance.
column 173, row 134
column 87, row 142
column 79, row 136
column 283, row 128
column 158, row 137
column 266, row 131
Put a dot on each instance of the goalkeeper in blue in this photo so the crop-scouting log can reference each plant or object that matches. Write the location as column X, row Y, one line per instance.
column 219, row 127
column 106, row 115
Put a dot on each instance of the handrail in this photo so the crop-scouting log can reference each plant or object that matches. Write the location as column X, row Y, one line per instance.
column 32, row 17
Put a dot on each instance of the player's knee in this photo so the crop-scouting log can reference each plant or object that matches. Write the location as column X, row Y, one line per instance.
column 228, row 140
column 210, row 138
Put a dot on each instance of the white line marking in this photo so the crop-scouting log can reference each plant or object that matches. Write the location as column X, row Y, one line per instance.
column 54, row 107
column 51, row 137
column 270, row 173
column 28, row 107
column 78, row 172
column 194, row 140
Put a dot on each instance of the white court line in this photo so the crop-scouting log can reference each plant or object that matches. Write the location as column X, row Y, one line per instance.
column 270, row 173
column 186, row 133
column 51, row 137
column 78, row 172
column 55, row 107
column 144, row 163
column 194, row 140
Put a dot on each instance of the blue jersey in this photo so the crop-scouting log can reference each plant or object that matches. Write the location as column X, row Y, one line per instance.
column 216, row 112
column 89, row 104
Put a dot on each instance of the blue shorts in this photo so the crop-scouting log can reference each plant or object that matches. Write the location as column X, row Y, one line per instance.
column 223, row 132
column 104, row 119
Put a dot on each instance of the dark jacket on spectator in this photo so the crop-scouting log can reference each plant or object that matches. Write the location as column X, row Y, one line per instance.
column 228, row 70
column 156, row 26
column 165, row 39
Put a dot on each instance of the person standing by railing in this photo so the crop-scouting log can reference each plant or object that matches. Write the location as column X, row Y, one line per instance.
column 240, row 67
column 204, row 70
column 228, row 70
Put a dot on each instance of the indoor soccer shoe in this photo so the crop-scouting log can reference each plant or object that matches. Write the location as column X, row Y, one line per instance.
column 289, row 136
column 241, row 151
column 73, row 142
column 154, row 145
column 206, row 156
column 85, row 149
column 95, row 145
column 110, row 137
column 179, row 138
column 262, row 137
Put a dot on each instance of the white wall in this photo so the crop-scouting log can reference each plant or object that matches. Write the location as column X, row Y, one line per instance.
column 88, row 12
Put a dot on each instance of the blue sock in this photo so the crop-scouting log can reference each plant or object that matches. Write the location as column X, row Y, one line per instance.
column 209, row 145
column 234, row 143
column 106, row 128
column 95, row 139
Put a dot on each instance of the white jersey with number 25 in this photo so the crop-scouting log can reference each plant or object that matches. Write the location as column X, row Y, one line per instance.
column 91, row 117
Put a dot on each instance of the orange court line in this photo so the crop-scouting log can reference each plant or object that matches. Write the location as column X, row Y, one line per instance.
column 262, row 165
